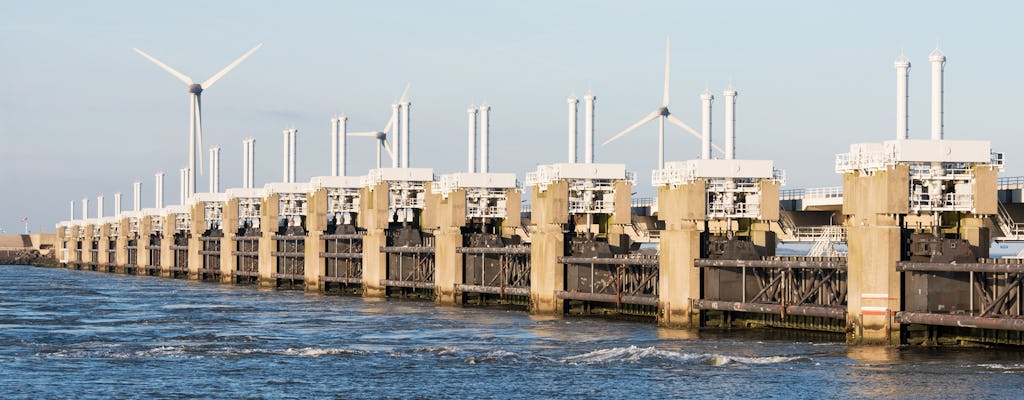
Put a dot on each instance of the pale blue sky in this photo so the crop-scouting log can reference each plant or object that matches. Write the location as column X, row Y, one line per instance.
column 83, row 115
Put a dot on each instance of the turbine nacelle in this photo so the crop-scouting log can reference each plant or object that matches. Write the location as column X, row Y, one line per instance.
column 195, row 89
column 663, row 111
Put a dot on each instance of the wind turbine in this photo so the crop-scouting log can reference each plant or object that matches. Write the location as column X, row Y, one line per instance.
column 195, row 124
column 662, row 114
column 392, row 128
column 382, row 142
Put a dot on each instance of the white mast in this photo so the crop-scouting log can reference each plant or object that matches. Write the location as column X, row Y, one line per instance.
column 342, row 145
column 730, row 123
column 405, row 134
column 85, row 208
column 588, row 124
column 72, row 204
column 485, row 132
column 183, row 185
column 705, row 146
column 214, row 169
column 334, row 147
column 291, row 154
column 137, row 196
column 396, row 141
column 938, row 61
column 471, row 143
column 99, row 206
column 902, row 97
column 117, row 204
column 573, row 130
column 284, row 156
column 159, row 202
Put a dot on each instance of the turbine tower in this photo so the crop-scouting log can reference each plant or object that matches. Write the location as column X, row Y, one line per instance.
column 195, row 125
column 662, row 114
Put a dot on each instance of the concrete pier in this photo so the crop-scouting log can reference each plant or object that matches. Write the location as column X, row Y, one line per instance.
column 682, row 209
column 550, row 211
column 373, row 216
column 447, row 217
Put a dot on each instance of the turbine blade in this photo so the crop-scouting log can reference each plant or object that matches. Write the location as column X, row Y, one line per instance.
column 650, row 117
column 213, row 79
column 363, row 134
column 664, row 101
column 387, row 148
column 179, row 75
column 391, row 122
column 199, row 131
column 677, row 121
column 404, row 92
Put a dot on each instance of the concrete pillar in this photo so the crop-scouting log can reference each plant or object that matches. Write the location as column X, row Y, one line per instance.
column 513, row 213
column 373, row 216
column 269, row 213
column 872, row 206
column 197, row 220
column 145, row 230
column 622, row 216
column 73, row 245
column 550, row 210
column 166, row 254
column 763, row 238
column 678, row 280
column 121, row 251
column 87, row 246
column 103, row 255
column 229, row 225
column 974, row 231
column 61, row 246
column 683, row 211
column 316, row 224
column 450, row 218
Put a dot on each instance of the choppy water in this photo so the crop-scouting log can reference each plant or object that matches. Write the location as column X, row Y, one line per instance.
column 72, row 334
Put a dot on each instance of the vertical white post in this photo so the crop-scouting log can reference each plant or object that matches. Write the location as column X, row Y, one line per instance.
column 471, row 143
column 573, row 130
column 938, row 61
column 902, row 97
column 705, row 148
column 214, row 169
column 183, row 186
column 99, row 206
column 85, row 208
column 588, row 128
column 485, row 132
column 396, row 133
column 342, row 145
column 406, row 114
column 334, row 147
column 245, row 163
column 72, row 204
column 730, row 123
column 159, row 202
column 284, row 157
column 117, row 204
column 291, row 155
column 137, row 196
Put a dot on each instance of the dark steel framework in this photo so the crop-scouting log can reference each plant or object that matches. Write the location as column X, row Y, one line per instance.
column 502, row 271
column 343, row 262
column 630, row 283
column 776, row 288
column 247, row 253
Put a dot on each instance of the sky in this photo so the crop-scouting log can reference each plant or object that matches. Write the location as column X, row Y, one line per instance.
column 83, row 115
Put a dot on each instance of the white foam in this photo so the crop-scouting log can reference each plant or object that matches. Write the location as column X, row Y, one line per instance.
column 633, row 354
